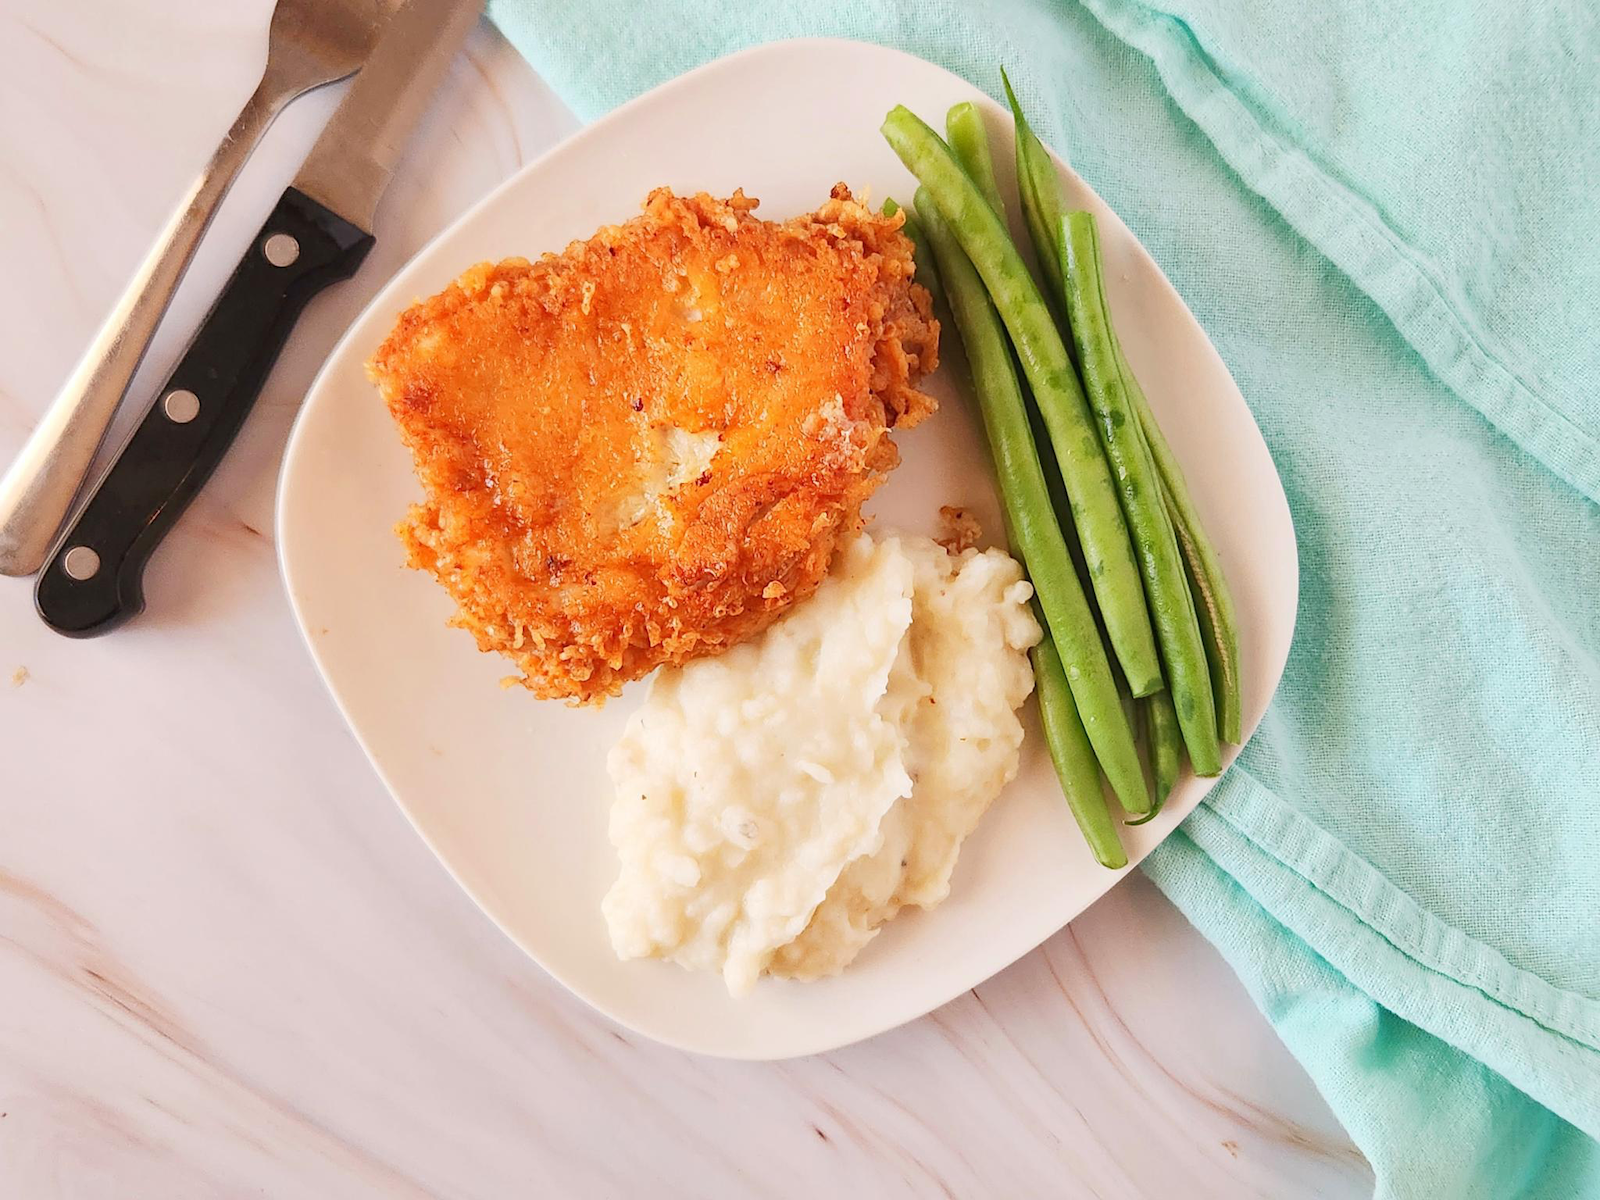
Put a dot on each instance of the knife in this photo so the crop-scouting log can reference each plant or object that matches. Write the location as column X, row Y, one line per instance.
column 310, row 43
column 318, row 233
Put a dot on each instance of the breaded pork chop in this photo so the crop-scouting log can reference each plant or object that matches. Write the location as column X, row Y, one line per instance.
column 646, row 448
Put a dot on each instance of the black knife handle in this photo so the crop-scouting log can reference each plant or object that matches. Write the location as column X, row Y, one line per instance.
column 94, row 578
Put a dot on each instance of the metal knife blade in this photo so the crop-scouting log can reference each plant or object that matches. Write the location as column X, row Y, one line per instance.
column 352, row 161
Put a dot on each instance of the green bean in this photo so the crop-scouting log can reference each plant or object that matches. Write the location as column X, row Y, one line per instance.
column 1037, row 538
column 1063, row 511
column 1073, row 757
column 1166, row 588
column 927, row 274
column 969, row 142
column 1058, row 501
column 1213, row 602
column 972, row 151
column 1166, row 745
column 1095, row 511
column 1040, row 189
column 1042, row 207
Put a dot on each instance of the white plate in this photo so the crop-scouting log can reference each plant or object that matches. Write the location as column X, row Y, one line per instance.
column 510, row 792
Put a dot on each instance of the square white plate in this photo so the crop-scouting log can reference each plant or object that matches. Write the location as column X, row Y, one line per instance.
column 510, row 792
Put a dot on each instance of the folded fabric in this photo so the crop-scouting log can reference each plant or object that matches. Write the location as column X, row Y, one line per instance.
column 1384, row 216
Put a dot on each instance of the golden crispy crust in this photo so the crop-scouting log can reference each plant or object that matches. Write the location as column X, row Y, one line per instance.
column 645, row 448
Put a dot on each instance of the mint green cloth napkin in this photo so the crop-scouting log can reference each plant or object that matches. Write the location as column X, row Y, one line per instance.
column 1387, row 215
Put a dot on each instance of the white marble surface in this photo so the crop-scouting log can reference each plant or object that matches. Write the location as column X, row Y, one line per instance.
column 227, row 965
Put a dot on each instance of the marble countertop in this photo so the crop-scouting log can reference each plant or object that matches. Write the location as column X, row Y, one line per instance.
column 228, row 967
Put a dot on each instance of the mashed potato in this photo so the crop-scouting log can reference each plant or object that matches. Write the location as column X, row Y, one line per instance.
column 776, row 805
